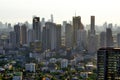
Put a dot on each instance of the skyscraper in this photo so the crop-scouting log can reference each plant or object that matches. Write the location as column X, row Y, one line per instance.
column 92, row 40
column 23, row 34
column 76, row 26
column 108, row 64
column 12, row 39
column 81, row 39
column 103, row 39
column 92, row 28
column 17, row 32
column 118, row 40
column 58, row 36
column 109, row 37
column 30, row 36
column 49, row 36
column 68, row 35
column 37, row 28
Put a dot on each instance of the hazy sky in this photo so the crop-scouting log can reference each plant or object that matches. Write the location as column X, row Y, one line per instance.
column 22, row 10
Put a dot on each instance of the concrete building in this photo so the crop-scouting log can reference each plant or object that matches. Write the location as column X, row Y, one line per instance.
column 92, row 40
column 23, row 34
column 58, row 36
column 12, row 39
column 68, row 36
column 37, row 28
column 30, row 36
column 109, row 37
column 103, row 39
column 118, row 40
column 108, row 64
column 50, row 36
column 64, row 63
column 76, row 26
column 17, row 32
column 30, row 67
column 81, row 39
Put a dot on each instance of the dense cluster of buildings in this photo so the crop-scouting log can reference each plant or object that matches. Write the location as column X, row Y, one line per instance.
column 67, row 39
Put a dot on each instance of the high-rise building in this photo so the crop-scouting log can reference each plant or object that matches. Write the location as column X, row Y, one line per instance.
column 76, row 26
column 49, row 36
column 103, row 39
column 37, row 28
column 68, row 35
column 109, row 37
column 81, row 39
column 118, row 40
column 58, row 36
column 108, row 64
column 17, row 32
column 52, row 20
column 92, row 28
column 23, row 34
column 30, row 36
column 92, row 40
column 45, row 38
column 12, row 39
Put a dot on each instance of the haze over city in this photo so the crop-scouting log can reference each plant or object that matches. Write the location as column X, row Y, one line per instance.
column 14, row 11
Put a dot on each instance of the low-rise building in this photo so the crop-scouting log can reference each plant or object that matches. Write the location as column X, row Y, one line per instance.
column 64, row 63
column 30, row 67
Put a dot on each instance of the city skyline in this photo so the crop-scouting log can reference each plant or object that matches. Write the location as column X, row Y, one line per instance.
column 14, row 11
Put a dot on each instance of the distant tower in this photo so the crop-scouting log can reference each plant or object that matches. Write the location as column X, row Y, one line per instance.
column 17, row 32
column 58, row 36
column 109, row 37
column 118, row 40
column 52, row 20
column 103, row 39
column 92, row 28
column 12, row 39
column 37, row 28
column 30, row 36
column 23, row 33
column 68, row 35
column 76, row 26
column 92, row 40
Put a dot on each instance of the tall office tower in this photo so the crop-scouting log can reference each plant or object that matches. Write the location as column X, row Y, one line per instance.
column 17, row 32
column 49, row 33
column 76, row 26
column 12, row 39
column 81, row 39
column 30, row 36
column 109, row 37
column 92, row 40
column 52, row 20
column 42, row 23
column 63, row 28
column 68, row 35
column 92, row 28
column 23, row 34
column 37, row 28
column 58, row 36
column 108, row 64
column 103, row 39
column 118, row 40
column 45, row 39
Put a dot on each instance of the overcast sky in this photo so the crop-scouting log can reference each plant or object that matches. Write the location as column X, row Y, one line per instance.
column 14, row 11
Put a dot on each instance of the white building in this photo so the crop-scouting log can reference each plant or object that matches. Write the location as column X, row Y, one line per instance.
column 64, row 63
column 52, row 60
column 30, row 67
